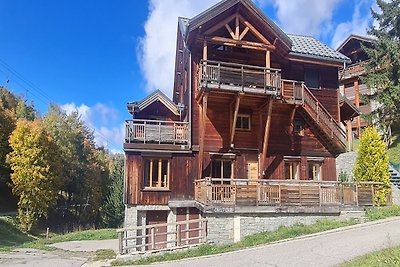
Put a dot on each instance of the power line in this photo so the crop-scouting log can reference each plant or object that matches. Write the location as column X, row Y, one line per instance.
column 35, row 88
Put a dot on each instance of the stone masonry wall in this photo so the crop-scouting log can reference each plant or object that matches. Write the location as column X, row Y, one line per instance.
column 228, row 228
column 346, row 162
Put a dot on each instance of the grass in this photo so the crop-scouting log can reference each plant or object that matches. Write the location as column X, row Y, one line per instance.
column 249, row 241
column 105, row 254
column 379, row 213
column 11, row 237
column 384, row 258
column 394, row 149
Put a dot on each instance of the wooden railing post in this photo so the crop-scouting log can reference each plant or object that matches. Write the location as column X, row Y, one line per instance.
column 144, row 133
column 153, row 238
column 121, row 243
column 373, row 195
column 356, row 196
column 300, row 197
column 204, row 231
column 320, row 194
column 219, row 74
column 178, row 235
column 242, row 69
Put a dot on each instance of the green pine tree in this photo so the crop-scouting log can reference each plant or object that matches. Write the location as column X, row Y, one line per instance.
column 113, row 209
column 372, row 164
column 384, row 66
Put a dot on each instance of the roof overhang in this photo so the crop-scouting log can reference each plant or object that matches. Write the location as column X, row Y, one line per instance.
column 157, row 96
column 347, row 109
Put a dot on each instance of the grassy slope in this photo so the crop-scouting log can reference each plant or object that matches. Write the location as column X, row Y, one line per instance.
column 11, row 237
column 394, row 150
column 385, row 258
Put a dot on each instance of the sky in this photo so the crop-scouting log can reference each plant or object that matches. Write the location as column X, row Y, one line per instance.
column 94, row 56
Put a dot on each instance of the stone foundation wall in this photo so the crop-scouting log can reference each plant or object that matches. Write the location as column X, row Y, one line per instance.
column 346, row 162
column 228, row 228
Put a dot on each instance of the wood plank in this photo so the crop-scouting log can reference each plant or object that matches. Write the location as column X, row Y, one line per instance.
column 244, row 32
column 255, row 31
column 230, row 31
column 241, row 43
column 202, row 136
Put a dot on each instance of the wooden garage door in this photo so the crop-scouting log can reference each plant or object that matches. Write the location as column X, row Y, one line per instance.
column 154, row 218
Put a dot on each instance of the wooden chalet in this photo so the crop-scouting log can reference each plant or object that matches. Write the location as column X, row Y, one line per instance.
column 253, row 126
column 350, row 83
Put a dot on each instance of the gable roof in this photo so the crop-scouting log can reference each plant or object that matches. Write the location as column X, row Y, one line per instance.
column 134, row 107
column 197, row 21
column 299, row 46
column 355, row 37
column 307, row 46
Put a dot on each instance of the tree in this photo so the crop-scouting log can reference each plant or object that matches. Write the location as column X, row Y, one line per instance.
column 36, row 171
column 384, row 66
column 113, row 209
column 372, row 163
column 84, row 168
column 7, row 125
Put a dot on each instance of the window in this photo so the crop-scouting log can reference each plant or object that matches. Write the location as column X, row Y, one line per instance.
column 243, row 122
column 298, row 128
column 221, row 169
column 314, row 171
column 156, row 173
column 292, row 170
column 311, row 78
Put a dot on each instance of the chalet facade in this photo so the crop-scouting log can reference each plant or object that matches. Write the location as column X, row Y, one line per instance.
column 252, row 131
column 350, row 82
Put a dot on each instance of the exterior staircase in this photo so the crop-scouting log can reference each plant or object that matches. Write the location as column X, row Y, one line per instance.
column 322, row 122
column 394, row 176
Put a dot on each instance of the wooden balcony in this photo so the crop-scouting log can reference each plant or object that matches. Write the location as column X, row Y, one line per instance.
column 295, row 92
column 147, row 133
column 239, row 78
column 278, row 193
column 353, row 70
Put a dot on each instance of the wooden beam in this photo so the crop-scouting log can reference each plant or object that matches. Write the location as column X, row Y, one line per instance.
column 202, row 134
column 292, row 127
column 205, row 50
column 268, row 66
column 237, row 30
column 266, row 137
column 230, row 31
column 240, row 43
column 235, row 115
column 349, row 133
column 220, row 24
column 255, row 31
column 243, row 34
column 357, row 104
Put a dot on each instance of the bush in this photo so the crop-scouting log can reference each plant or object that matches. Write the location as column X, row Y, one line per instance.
column 372, row 164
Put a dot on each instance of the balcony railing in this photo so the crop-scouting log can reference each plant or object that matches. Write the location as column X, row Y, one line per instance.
column 156, row 132
column 211, row 192
column 238, row 77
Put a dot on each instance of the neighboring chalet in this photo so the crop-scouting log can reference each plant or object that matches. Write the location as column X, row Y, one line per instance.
column 351, row 85
column 248, row 141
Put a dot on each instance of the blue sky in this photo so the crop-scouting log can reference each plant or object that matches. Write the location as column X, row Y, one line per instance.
column 96, row 55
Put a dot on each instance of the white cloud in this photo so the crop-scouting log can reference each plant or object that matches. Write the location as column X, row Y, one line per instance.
column 102, row 120
column 310, row 17
column 156, row 52
column 361, row 20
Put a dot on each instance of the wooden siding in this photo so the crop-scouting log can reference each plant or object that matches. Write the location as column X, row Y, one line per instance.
column 183, row 173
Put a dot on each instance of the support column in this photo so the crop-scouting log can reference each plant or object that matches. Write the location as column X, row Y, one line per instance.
column 357, row 103
column 266, row 137
column 268, row 66
column 235, row 115
column 205, row 50
column 202, row 134
column 349, row 132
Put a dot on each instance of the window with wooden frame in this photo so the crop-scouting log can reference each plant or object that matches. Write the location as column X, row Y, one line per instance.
column 292, row 170
column 314, row 171
column 221, row 168
column 156, row 174
column 243, row 122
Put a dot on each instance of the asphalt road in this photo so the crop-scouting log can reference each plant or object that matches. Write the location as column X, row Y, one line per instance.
column 328, row 249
